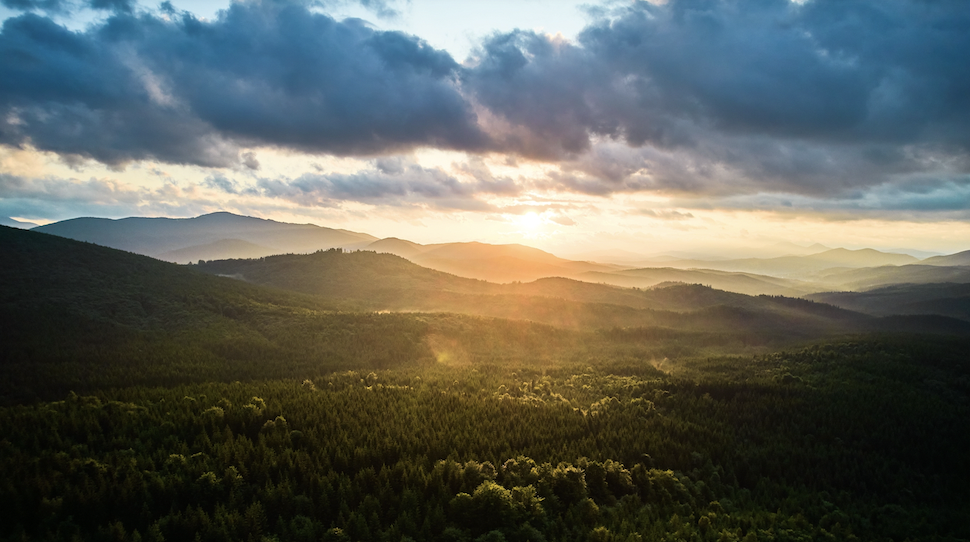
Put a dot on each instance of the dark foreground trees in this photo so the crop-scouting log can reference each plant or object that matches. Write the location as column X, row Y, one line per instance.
column 833, row 442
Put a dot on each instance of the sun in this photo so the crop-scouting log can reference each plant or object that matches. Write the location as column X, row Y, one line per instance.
column 529, row 222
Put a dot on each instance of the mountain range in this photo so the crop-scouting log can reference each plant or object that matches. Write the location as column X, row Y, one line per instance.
column 77, row 315
column 370, row 281
column 805, row 270
column 215, row 235
column 92, row 284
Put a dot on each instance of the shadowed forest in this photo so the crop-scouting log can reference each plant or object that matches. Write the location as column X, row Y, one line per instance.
column 357, row 396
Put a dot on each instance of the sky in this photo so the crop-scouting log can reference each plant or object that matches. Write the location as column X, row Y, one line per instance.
column 684, row 126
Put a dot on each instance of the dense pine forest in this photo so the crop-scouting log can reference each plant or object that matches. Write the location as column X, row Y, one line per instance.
column 148, row 401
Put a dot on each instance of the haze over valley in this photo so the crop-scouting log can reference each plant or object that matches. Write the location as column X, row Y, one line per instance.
column 817, row 269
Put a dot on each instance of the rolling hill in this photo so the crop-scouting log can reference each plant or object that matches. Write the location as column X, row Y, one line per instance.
column 960, row 258
column 868, row 278
column 744, row 283
column 388, row 282
column 219, row 250
column 494, row 263
column 370, row 281
column 518, row 263
column 78, row 316
column 81, row 316
column 945, row 299
column 800, row 266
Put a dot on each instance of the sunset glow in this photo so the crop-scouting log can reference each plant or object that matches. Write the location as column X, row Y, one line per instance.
column 573, row 149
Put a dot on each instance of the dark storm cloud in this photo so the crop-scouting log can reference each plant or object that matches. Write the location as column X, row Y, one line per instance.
column 831, row 70
column 708, row 97
column 190, row 91
column 122, row 6
column 737, row 96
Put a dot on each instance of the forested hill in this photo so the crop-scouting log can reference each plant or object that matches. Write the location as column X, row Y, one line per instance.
column 371, row 281
column 385, row 281
column 78, row 316
column 83, row 281
column 947, row 299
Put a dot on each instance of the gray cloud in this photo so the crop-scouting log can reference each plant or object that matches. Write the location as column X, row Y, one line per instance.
column 66, row 6
column 93, row 190
column 719, row 97
column 392, row 181
column 823, row 70
column 189, row 91
column 249, row 160
column 221, row 183
column 122, row 6
column 50, row 6
column 707, row 97
column 924, row 198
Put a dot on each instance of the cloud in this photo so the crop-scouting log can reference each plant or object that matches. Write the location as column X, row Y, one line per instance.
column 121, row 6
column 392, row 181
column 57, row 198
column 562, row 220
column 50, row 6
column 221, row 183
column 249, row 160
column 838, row 71
column 93, row 190
column 181, row 90
column 664, row 214
column 381, row 8
column 720, row 97
column 913, row 199
column 67, row 6
column 708, row 98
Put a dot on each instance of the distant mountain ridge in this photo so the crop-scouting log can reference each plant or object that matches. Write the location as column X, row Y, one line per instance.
column 960, row 258
column 164, row 238
column 868, row 278
column 12, row 223
column 496, row 263
column 805, row 270
column 800, row 266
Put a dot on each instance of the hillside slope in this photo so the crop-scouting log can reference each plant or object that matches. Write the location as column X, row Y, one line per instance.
column 960, row 258
column 78, row 316
column 371, row 281
column 743, row 283
column 947, row 299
